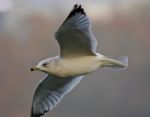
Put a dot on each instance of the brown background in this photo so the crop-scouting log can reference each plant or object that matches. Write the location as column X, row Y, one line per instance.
column 122, row 27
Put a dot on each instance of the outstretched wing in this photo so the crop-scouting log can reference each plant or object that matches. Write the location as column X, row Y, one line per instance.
column 50, row 92
column 74, row 36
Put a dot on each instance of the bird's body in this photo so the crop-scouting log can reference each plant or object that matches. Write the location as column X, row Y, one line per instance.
column 66, row 67
column 77, row 58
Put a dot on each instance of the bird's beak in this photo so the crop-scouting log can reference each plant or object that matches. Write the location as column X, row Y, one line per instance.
column 34, row 69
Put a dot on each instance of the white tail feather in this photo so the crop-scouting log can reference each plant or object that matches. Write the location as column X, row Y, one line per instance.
column 118, row 63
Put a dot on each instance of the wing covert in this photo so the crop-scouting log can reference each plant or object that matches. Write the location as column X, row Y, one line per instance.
column 74, row 36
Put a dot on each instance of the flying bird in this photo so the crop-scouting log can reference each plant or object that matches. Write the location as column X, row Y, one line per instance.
column 78, row 57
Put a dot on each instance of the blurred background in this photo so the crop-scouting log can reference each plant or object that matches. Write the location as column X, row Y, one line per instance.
column 122, row 28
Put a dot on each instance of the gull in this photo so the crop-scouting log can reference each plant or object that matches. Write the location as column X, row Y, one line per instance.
column 78, row 57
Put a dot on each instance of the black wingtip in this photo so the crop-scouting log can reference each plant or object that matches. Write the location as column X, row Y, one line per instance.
column 37, row 115
column 76, row 5
column 76, row 10
column 34, row 115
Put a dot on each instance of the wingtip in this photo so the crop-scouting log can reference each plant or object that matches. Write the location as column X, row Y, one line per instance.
column 76, row 5
column 76, row 9
column 36, row 115
column 33, row 114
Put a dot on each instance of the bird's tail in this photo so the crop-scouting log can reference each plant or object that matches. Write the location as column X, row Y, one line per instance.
column 118, row 63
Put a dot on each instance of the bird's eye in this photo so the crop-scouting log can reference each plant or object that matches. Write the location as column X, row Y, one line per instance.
column 45, row 64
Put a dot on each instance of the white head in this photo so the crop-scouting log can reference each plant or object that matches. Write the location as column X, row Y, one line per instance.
column 44, row 65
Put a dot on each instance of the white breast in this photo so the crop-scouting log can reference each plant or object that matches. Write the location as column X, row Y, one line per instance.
column 77, row 66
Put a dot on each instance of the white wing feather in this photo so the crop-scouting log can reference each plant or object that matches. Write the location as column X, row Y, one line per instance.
column 50, row 92
column 74, row 36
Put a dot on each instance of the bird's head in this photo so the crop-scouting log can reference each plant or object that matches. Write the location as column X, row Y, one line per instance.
column 44, row 66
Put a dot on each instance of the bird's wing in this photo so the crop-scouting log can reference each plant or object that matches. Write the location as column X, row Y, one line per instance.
column 74, row 36
column 50, row 92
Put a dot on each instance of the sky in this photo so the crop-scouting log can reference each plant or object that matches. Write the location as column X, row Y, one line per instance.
column 96, row 7
column 5, row 5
